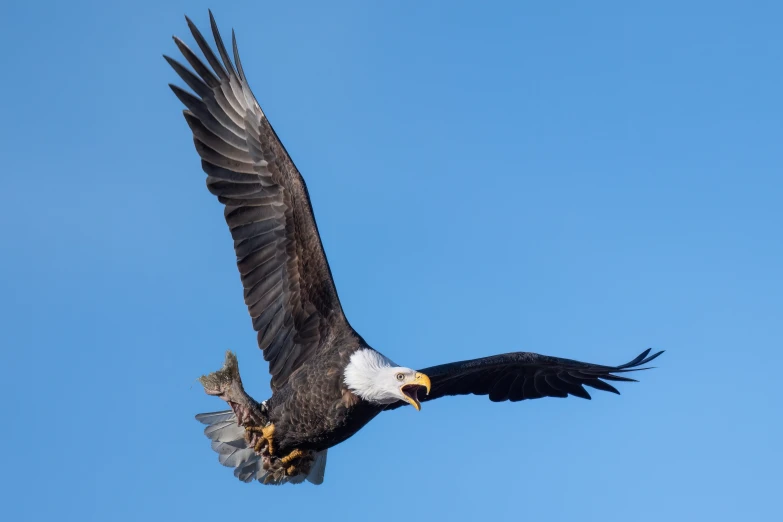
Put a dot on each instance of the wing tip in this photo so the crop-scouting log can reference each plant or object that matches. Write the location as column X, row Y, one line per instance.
column 639, row 360
column 221, row 46
column 171, row 61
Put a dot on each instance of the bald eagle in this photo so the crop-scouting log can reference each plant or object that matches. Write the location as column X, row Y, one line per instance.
column 327, row 382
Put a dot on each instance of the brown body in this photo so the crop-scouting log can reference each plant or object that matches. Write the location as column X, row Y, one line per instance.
column 314, row 410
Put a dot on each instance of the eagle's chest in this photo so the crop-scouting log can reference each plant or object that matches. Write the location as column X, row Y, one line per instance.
column 315, row 411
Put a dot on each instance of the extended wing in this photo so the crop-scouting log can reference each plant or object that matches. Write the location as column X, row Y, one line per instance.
column 523, row 375
column 288, row 286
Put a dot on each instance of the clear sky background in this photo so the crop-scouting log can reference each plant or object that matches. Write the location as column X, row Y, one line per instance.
column 577, row 180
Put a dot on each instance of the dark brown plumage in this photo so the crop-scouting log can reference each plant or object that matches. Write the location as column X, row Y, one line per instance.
column 327, row 383
column 524, row 375
column 288, row 286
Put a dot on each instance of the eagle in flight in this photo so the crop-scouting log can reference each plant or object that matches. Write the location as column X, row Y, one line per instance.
column 327, row 382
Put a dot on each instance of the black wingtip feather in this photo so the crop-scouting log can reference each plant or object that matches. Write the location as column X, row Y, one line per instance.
column 184, row 96
column 220, row 46
column 601, row 385
column 637, row 360
column 206, row 75
column 207, row 50
column 193, row 81
column 237, row 61
column 640, row 359
column 579, row 392
column 618, row 378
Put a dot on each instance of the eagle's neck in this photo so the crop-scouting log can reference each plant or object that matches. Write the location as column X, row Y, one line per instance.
column 368, row 376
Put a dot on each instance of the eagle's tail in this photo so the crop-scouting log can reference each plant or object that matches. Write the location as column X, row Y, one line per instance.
column 228, row 440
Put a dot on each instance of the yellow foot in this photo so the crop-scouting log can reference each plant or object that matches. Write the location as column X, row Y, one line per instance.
column 299, row 461
column 267, row 433
column 297, row 453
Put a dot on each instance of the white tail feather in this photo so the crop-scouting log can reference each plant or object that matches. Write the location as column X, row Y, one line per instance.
column 228, row 440
column 318, row 469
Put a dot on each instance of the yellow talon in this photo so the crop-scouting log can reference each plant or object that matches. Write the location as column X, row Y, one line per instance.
column 290, row 471
column 297, row 453
column 267, row 432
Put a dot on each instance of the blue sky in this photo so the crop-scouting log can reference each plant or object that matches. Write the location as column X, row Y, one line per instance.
column 576, row 180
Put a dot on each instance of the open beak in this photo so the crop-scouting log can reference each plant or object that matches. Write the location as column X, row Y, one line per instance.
column 411, row 390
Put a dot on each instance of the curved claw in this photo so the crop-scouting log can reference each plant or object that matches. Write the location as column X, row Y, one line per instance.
column 267, row 435
column 297, row 453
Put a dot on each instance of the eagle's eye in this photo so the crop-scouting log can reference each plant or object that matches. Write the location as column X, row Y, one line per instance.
column 400, row 377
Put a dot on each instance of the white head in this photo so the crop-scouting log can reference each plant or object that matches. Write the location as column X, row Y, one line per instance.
column 376, row 379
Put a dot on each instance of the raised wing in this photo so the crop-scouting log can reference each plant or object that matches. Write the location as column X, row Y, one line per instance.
column 288, row 286
column 523, row 375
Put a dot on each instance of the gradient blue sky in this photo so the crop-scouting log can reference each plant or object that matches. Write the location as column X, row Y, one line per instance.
column 576, row 180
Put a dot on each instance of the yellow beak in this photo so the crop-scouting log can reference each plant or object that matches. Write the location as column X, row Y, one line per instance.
column 410, row 390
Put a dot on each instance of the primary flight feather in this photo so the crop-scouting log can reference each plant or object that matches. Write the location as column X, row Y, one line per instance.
column 327, row 382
